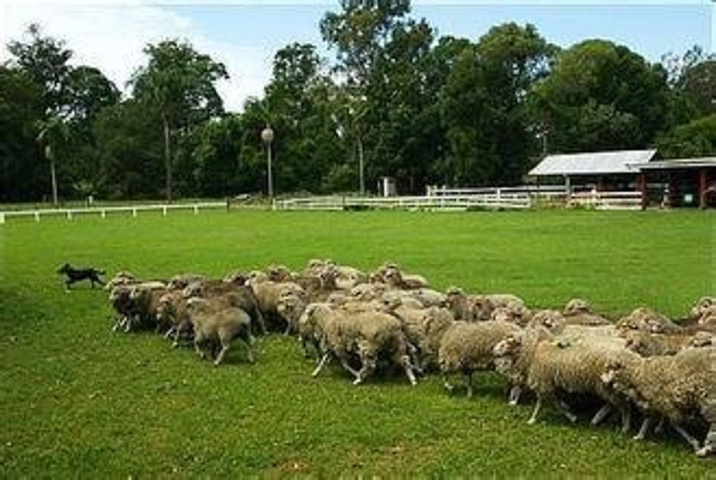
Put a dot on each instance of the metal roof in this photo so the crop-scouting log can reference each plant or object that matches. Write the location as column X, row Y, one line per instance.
column 594, row 163
column 679, row 163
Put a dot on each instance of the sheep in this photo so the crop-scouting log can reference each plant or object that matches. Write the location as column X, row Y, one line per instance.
column 548, row 366
column 424, row 328
column 707, row 321
column 280, row 273
column 520, row 315
column 480, row 307
column 181, row 281
column 704, row 304
column 396, row 279
column 216, row 324
column 579, row 312
column 240, row 296
column 368, row 291
column 290, row 306
column 135, row 304
column 267, row 295
column 122, row 305
column 120, row 278
column 675, row 387
column 650, row 344
column 172, row 312
column 467, row 347
column 365, row 334
column 647, row 320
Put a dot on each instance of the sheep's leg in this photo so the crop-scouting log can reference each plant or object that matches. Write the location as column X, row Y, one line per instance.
column 366, row 369
column 170, row 332
column 659, row 426
column 260, row 321
column 408, row 369
column 626, row 418
column 324, row 360
column 468, row 382
column 536, row 410
column 688, row 437
column 601, row 414
column 709, row 443
column 446, row 382
column 222, row 352
column 515, row 393
column 566, row 411
column 643, row 429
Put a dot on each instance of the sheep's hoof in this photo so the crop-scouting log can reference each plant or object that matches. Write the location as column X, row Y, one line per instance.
column 357, row 381
column 702, row 452
column 531, row 421
column 512, row 403
column 638, row 437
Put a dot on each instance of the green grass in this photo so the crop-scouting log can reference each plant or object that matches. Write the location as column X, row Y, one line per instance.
column 79, row 400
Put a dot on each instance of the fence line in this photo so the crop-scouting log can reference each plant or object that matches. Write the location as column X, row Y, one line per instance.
column 70, row 213
column 442, row 202
column 607, row 200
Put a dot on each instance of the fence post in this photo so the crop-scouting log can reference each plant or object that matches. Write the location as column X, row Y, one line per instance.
column 164, row 210
column 196, row 209
column 2, row 218
column 37, row 216
column 69, row 214
column 104, row 213
column 134, row 212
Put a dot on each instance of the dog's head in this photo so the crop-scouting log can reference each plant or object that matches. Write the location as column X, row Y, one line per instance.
column 64, row 268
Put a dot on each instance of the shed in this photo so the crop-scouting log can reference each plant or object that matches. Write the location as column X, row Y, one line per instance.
column 687, row 181
column 612, row 170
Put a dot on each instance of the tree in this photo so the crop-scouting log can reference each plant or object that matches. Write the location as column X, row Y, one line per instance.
column 484, row 108
column 45, row 61
column 20, row 111
column 180, row 83
column 601, row 95
column 53, row 136
column 694, row 139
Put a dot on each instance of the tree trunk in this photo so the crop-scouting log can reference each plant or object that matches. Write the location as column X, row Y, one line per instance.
column 167, row 157
column 53, row 176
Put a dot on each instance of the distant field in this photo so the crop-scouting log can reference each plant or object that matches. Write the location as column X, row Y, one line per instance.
column 79, row 400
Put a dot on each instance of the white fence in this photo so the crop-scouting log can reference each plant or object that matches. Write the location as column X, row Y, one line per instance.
column 428, row 202
column 607, row 200
column 134, row 210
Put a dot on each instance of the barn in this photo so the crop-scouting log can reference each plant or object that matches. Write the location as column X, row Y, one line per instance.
column 689, row 182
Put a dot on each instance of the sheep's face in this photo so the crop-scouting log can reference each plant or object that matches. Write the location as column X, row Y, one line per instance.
column 505, row 353
column 577, row 305
column 550, row 319
column 614, row 376
column 165, row 309
column 482, row 308
column 290, row 306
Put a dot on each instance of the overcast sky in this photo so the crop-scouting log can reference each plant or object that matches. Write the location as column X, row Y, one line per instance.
column 244, row 35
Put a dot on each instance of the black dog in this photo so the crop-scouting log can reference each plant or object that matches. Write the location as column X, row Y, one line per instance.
column 78, row 274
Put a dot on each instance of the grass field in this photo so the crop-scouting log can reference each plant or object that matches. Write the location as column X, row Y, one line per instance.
column 78, row 400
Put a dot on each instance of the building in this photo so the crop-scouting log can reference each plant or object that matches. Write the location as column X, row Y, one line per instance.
column 689, row 182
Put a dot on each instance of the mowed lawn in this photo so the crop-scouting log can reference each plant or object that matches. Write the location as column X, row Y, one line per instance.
column 79, row 400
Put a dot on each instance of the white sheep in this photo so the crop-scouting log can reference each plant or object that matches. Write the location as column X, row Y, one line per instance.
column 467, row 347
column 674, row 387
column 217, row 326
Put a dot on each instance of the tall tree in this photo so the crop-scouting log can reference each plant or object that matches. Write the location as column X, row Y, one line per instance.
column 45, row 61
column 180, row 83
column 694, row 139
column 601, row 95
column 20, row 111
column 53, row 136
column 484, row 105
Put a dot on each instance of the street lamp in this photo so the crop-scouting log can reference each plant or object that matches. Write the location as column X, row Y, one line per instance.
column 267, row 137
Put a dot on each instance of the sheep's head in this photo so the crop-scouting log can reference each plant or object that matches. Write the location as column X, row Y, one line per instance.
column 193, row 289
column 482, row 307
column 236, row 278
column 614, row 374
column 701, row 306
column 290, row 306
column 552, row 320
column 576, row 306
column 165, row 310
column 702, row 339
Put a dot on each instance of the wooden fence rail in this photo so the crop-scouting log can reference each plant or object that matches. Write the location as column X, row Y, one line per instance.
column 70, row 213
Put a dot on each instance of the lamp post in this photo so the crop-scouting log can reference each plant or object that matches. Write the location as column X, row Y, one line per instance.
column 267, row 137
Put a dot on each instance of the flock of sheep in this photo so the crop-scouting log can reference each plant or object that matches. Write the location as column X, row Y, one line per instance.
column 389, row 320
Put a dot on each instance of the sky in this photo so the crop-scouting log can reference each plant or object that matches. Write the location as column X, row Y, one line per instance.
column 245, row 34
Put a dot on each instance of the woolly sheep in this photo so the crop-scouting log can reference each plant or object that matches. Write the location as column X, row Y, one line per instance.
column 579, row 312
column 368, row 335
column 647, row 320
column 467, row 347
column 650, row 344
column 674, row 387
column 547, row 366
column 704, row 304
column 231, row 294
column 217, row 326
column 424, row 328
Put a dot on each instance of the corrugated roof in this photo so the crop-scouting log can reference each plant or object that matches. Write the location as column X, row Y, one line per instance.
column 593, row 163
column 679, row 163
